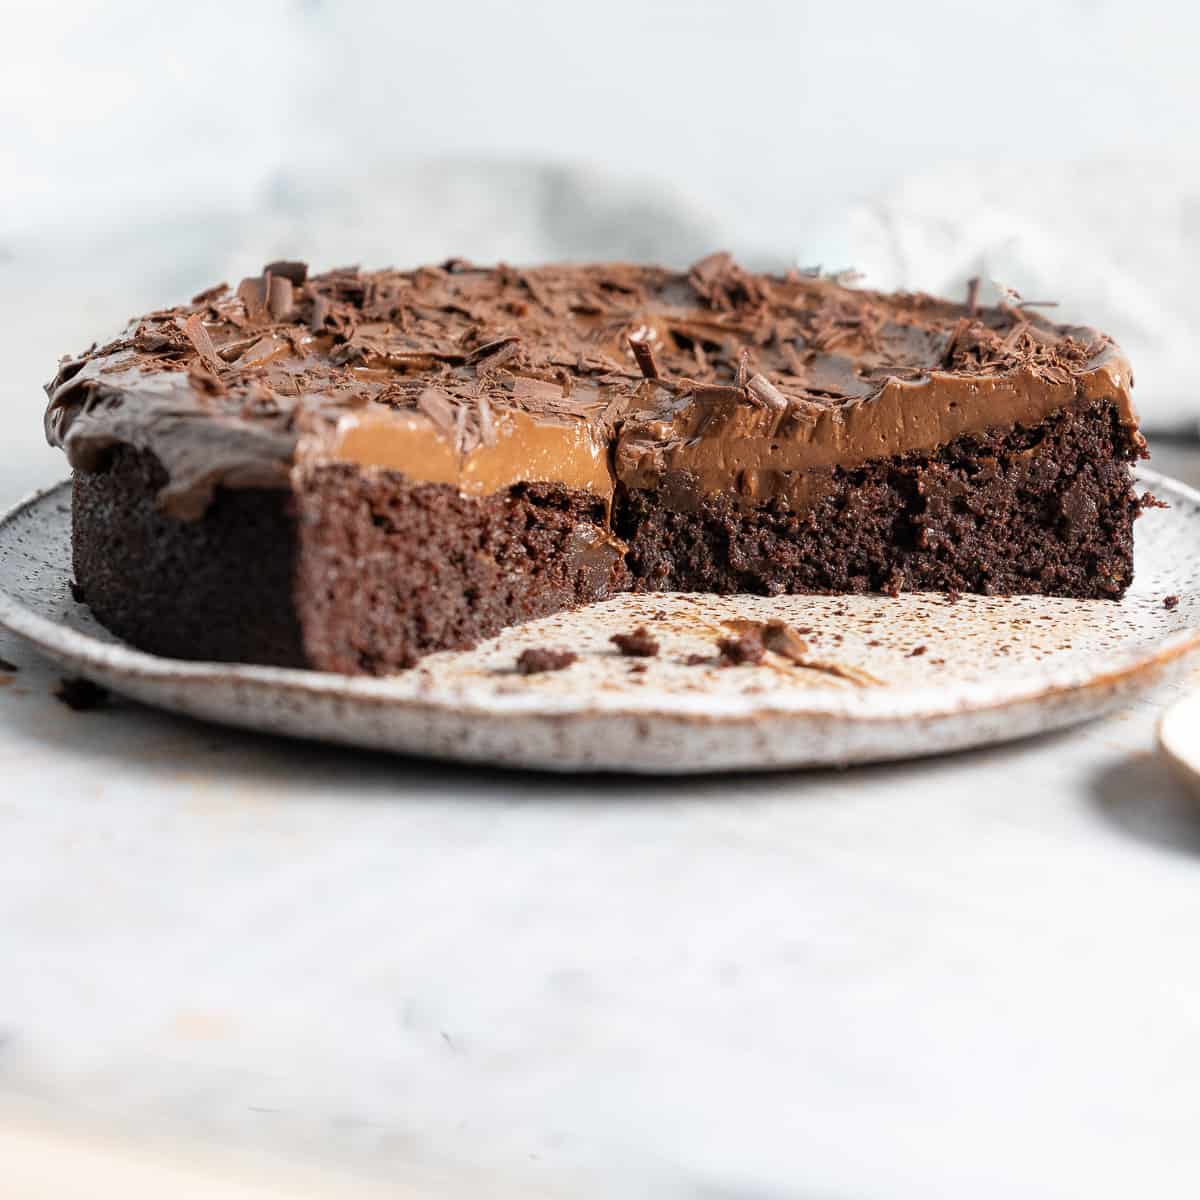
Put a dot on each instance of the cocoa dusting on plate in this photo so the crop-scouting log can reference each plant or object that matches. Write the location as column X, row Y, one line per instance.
column 542, row 658
column 638, row 644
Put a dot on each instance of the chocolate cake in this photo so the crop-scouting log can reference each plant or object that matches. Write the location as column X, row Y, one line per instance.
column 347, row 471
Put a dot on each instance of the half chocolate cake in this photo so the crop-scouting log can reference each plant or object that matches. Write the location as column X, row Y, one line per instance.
column 350, row 470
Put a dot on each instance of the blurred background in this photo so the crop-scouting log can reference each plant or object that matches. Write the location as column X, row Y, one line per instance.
column 149, row 150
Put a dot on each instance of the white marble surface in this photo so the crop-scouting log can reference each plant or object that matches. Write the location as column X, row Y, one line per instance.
column 967, row 976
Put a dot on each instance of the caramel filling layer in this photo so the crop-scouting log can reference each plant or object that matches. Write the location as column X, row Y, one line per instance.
column 523, row 450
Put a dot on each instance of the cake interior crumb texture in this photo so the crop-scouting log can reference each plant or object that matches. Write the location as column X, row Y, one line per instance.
column 556, row 437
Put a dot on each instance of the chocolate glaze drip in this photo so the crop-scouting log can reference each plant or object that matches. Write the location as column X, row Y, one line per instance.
column 712, row 380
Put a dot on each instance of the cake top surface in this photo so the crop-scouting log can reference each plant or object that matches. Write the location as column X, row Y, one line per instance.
column 481, row 366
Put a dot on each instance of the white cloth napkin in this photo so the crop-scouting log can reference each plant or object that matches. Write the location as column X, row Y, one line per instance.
column 1115, row 242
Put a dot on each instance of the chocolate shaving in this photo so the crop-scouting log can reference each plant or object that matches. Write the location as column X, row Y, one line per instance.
column 644, row 356
column 294, row 272
column 492, row 354
column 253, row 294
column 195, row 332
column 973, row 296
column 205, row 382
column 760, row 388
column 210, row 293
column 487, row 426
column 952, row 340
column 320, row 314
column 535, row 290
column 279, row 296
column 439, row 408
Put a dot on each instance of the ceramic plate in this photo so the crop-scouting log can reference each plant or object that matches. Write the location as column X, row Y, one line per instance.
column 881, row 678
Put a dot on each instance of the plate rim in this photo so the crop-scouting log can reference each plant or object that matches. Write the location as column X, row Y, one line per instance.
column 82, row 651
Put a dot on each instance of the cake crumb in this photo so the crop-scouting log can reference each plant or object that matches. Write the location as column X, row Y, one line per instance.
column 745, row 650
column 1170, row 602
column 637, row 668
column 780, row 638
column 638, row 644
column 543, row 658
column 81, row 695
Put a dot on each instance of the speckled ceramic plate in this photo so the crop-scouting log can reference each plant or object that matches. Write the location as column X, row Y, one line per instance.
column 881, row 679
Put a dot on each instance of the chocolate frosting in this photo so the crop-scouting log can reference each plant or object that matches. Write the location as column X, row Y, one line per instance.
column 713, row 380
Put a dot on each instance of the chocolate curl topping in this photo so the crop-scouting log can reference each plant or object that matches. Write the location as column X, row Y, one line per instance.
column 211, row 293
column 492, row 354
column 321, row 311
column 640, row 345
column 294, row 272
column 253, row 294
column 743, row 369
column 487, row 426
column 952, row 342
column 279, row 296
column 205, row 382
column 764, row 392
column 973, row 295
column 435, row 339
column 438, row 407
column 195, row 332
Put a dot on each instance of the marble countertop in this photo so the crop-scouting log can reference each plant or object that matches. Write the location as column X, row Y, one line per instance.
column 965, row 976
